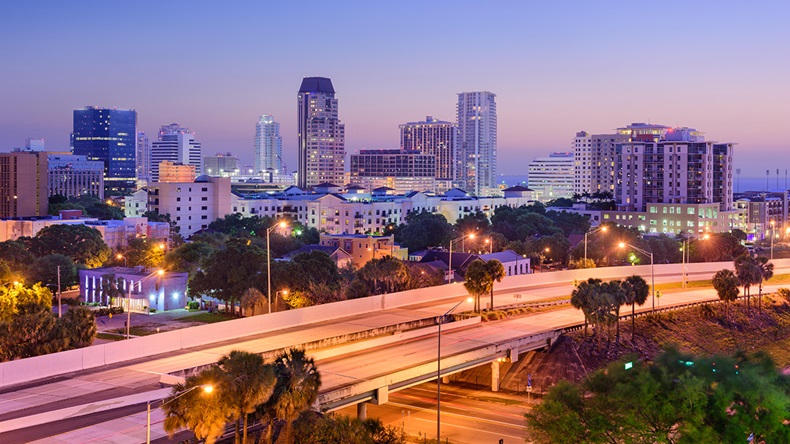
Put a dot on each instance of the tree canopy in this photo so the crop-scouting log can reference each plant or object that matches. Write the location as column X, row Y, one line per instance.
column 678, row 398
column 83, row 244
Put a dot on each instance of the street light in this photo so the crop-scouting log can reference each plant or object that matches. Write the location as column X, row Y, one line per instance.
column 652, row 273
column 282, row 224
column 773, row 231
column 119, row 257
column 686, row 257
column 490, row 245
column 207, row 388
column 450, row 262
column 588, row 232
column 469, row 300
column 278, row 293
column 159, row 273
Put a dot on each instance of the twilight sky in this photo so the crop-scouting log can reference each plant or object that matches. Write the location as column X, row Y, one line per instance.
column 722, row 67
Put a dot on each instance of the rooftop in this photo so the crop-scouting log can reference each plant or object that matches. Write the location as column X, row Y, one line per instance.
column 317, row 85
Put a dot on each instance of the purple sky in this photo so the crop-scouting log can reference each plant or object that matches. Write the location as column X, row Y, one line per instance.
column 722, row 67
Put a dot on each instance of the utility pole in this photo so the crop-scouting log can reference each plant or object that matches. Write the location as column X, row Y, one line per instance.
column 60, row 305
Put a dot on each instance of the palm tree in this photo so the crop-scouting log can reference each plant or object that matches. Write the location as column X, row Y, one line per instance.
column 496, row 272
column 726, row 284
column 204, row 414
column 748, row 273
column 614, row 296
column 248, row 383
column 296, row 390
column 766, row 272
column 636, row 291
column 583, row 298
column 477, row 281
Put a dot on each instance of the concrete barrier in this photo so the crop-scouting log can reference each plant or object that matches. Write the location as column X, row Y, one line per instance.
column 39, row 367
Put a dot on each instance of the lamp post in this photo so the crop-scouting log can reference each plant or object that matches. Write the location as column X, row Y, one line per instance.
column 269, row 262
column 207, row 388
column 159, row 272
column 278, row 293
column 119, row 257
column 439, row 370
column 590, row 232
column 652, row 272
column 773, row 231
column 450, row 262
column 490, row 243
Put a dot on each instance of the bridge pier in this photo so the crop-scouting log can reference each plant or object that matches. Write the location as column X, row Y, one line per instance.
column 495, row 376
column 362, row 411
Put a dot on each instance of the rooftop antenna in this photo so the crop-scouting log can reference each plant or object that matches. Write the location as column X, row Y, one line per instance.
column 767, row 175
column 777, row 178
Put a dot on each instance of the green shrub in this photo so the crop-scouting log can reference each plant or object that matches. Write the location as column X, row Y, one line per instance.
column 153, row 310
column 193, row 305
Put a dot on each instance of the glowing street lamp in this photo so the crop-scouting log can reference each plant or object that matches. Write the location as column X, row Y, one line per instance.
column 207, row 388
column 450, row 262
column 652, row 272
column 602, row 228
column 282, row 224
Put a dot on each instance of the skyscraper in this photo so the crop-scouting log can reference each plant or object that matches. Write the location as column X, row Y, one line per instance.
column 477, row 142
column 268, row 146
column 143, row 157
column 108, row 135
column 322, row 153
column 177, row 145
column 433, row 137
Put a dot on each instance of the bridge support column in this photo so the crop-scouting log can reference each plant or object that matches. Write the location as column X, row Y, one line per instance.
column 495, row 376
column 362, row 411
column 445, row 379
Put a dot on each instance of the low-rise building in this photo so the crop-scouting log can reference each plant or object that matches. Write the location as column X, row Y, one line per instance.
column 363, row 248
column 148, row 289
column 116, row 233
column 192, row 205
column 73, row 176
column 674, row 218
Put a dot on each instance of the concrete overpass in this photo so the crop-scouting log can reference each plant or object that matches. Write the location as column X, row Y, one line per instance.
column 362, row 356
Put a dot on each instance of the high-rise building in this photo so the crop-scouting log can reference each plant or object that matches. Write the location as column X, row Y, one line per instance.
column 434, row 137
column 221, row 165
column 268, row 146
column 177, row 145
column 552, row 177
column 23, row 184
column 666, row 165
column 477, row 130
column 595, row 156
column 400, row 170
column 108, row 135
column 74, row 176
column 143, row 157
column 322, row 153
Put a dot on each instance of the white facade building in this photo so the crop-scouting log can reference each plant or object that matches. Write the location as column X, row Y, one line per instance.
column 477, row 142
column 143, row 159
column 177, row 145
column 191, row 205
column 552, row 177
column 268, row 146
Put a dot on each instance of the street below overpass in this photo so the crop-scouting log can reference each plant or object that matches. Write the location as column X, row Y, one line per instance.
column 99, row 390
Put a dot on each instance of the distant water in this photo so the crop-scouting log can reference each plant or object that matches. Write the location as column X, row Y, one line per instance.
column 740, row 185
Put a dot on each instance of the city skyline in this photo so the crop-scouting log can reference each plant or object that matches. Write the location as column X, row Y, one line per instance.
column 555, row 72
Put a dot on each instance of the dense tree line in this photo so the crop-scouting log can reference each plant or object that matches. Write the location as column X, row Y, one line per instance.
column 89, row 204
column 277, row 396
column 677, row 398
column 29, row 328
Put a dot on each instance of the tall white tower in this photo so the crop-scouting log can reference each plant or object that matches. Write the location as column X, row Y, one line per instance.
column 477, row 142
column 268, row 146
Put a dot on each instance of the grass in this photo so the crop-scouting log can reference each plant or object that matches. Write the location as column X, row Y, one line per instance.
column 208, row 318
column 137, row 331
column 109, row 337
column 778, row 279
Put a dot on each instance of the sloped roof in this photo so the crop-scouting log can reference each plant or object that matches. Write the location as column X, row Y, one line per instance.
column 517, row 188
column 317, row 85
